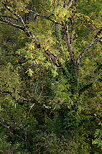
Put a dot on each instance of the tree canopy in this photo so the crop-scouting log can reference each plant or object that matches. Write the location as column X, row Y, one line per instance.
column 50, row 76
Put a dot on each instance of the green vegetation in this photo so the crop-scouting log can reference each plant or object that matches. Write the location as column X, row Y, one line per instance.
column 50, row 76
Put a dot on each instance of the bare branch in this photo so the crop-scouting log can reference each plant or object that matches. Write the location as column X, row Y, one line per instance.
column 68, row 41
column 46, row 17
column 5, row 16
column 73, row 27
column 16, row 14
column 12, row 24
column 21, row 20
column 53, row 58
column 92, row 114
column 88, row 47
column 56, row 61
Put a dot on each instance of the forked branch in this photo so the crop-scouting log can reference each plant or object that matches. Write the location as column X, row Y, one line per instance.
column 24, row 27
column 16, row 14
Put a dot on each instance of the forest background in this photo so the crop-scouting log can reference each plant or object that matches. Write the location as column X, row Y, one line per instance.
column 50, row 76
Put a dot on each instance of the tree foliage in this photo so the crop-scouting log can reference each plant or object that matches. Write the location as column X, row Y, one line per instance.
column 50, row 76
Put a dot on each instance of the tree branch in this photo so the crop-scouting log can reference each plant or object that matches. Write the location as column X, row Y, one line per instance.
column 88, row 47
column 92, row 114
column 47, row 17
column 44, row 16
column 16, row 14
column 21, row 20
column 11, row 130
column 73, row 28
column 87, row 86
column 68, row 4
column 5, row 16
column 54, row 58
column 68, row 41
column 12, row 24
